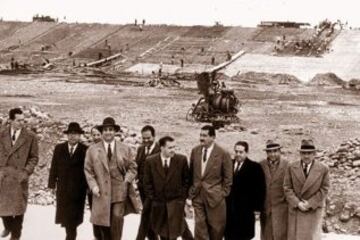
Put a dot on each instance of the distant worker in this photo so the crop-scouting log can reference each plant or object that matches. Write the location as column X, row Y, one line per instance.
column 135, row 22
column 182, row 63
column 212, row 60
column 143, row 22
column 228, row 56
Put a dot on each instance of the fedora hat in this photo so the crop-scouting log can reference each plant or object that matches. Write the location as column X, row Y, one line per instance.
column 307, row 145
column 272, row 145
column 74, row 127
column 109, row 122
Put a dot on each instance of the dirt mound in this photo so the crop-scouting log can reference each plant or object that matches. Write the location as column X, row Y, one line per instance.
column 343, row 206
column 326, row 79
column 266, row 78
column 50, row 132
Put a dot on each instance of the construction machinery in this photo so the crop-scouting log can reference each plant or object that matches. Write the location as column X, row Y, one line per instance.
column 217, row 105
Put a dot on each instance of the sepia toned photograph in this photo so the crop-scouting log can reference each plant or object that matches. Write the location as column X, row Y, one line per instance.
column 168, row 120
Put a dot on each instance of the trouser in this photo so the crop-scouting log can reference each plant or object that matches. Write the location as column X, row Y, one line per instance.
column 117, row 220
column 144, row 228
column 96, row 228
column 209, row 221
column 70, row 232
column 14, row 225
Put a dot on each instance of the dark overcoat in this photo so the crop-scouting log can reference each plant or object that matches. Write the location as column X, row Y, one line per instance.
column 167, row 194
column 17, row 163
column 68, row 177
column 247, row 195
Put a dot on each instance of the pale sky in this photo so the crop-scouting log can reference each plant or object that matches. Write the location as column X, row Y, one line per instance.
column 185, row 12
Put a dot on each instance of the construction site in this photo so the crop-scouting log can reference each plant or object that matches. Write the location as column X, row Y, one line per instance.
column 290, row 81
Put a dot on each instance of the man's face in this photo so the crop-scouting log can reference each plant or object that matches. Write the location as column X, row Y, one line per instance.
column 96, row 135
column 273, row 155
column 73, row 138
column 168, row 150
column 307, row 157
column 108, row 134
column 240, row 153
column 205, row 139
column 18, row 122
column 147, row 138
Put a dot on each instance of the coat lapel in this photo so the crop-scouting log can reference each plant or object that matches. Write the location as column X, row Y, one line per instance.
column 211, row 160
column 279, row 170
column 172, row 168
column 314, row 174
column 19, row 142
column 159, row 166
column 197, row 162
column 267, row 171
column 102, row 155
column 298, row 172
column 6, row 140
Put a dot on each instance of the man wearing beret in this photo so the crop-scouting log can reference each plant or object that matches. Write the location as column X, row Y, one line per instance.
column 306, row 186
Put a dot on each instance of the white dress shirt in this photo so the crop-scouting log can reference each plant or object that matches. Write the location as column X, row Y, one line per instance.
column 17, row 134
column 308, row 166
column 237, row 164
column 163, row 161
column 148, row 150
column 112, row 147
column 74, row 148
column 208, row 153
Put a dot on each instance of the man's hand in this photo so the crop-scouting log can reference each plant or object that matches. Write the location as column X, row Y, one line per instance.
column 303, row 206
column 188, row 202
column 96, row 191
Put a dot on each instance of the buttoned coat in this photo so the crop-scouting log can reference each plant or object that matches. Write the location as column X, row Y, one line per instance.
column 273, row 218
column 98, row 175
column 215, row 183
column 67, row 176
column 140, row 161
column 167, row 194
column 306, row 225
column 246, row 197
column 17, row 163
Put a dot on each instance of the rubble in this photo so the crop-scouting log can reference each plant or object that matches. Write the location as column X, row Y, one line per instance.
column 343, row 206
column 326, row 79
column 50, row 133
column 266, row 78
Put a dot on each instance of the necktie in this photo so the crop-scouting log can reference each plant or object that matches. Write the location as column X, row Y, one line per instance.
column 205, row 155
column 237, row 167
column 147, row 149
column 305, row 169
column 13, row 138
column 71, row 151
column 109, row 154
column 166, row 166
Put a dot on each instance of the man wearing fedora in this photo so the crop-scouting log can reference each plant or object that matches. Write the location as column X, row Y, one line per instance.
column 306, row 186
column 68, row 178
column 273, row 218
column 18, row 158
column 110, row 169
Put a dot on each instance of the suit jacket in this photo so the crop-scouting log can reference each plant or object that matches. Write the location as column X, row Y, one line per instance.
column 214, row 185
column 314, row 189
column 98, row 175
column 275, row 211
column 140, row 161
column 167, row 194
column 17, row 163
column 247, row 196
column 67, row 176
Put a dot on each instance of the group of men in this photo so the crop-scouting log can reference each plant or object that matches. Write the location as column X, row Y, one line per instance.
column 226, row 193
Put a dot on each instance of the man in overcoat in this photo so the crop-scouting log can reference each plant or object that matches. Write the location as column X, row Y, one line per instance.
column 273, row 218
column 68, row 179
column 110, row 169
column 18, row 158
column 306, row 187
column 166, row 183
column 246, row 197
column 211, row 171
column 148, row 148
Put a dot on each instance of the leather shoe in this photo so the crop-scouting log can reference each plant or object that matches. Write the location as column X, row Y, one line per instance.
column 5, row 233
